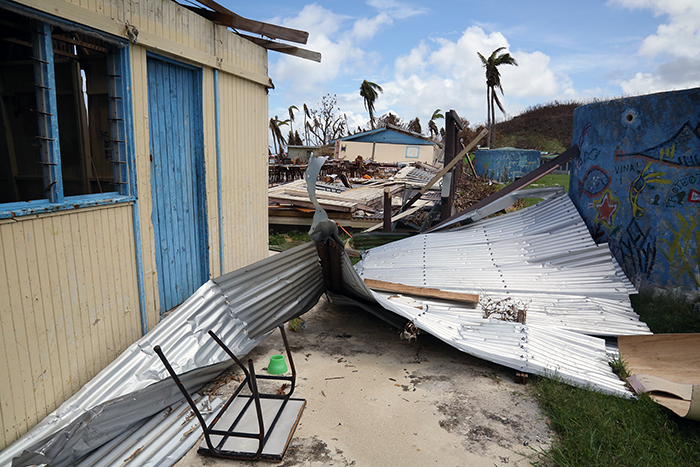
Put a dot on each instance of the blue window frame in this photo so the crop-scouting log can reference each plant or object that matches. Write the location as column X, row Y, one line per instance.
column 64, row 112
column 412, row 152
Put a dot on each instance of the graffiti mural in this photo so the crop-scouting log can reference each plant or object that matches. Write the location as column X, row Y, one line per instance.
column 681, row 251
column 683, row 190
column 505, row 164
column 682, row 149
column 638, row 249
column 637, row 184
column 606, row 208
column 595, row 181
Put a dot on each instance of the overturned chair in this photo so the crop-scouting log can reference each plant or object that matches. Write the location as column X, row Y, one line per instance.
column 249, row 426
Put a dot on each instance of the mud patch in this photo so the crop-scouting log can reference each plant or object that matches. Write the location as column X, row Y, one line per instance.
column 307, row 450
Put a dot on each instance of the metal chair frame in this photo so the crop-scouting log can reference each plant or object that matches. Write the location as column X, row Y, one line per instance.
column 251, row 382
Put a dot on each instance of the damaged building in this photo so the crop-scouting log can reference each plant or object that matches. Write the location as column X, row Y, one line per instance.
column 125, row 179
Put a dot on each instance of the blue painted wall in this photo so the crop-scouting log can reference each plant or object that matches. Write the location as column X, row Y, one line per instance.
column 637, row 184
column 505, row 164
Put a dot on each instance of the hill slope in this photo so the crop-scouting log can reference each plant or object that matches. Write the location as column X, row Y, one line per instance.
column 546, row 127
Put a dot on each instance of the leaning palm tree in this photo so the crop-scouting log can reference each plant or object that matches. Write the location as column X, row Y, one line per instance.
column 370, row 93
column 432, row 126
column 291, row 109
column 493, row 81
column 414, row 126
column 277, row 137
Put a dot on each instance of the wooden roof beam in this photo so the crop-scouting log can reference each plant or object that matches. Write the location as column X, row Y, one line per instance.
column 284, row 48
column 226, row 17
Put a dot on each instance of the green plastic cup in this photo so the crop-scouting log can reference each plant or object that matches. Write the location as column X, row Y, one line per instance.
column 277, row 365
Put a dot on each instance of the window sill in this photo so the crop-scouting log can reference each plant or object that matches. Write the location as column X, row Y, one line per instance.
column 28, row 208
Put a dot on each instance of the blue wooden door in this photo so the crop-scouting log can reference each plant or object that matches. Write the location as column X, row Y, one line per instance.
column 177, row 179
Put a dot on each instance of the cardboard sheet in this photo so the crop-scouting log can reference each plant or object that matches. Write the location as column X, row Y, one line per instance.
column 667, row 366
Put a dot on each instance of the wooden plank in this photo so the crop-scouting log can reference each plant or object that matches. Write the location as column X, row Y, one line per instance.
column 394, row 287
column 12, row 405
column 445, row 169
column 53, row 301
column 285, row 48
column 228, row 18
column 308, row 204
column 74, row 321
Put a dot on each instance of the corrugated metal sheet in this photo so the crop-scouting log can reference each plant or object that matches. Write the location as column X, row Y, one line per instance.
column 159, row 441
column 68, row 307
column 542, row 257
column 240, row 307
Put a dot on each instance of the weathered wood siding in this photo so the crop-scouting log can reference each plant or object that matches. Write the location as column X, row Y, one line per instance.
column 69, row 297
column 243, row 171
column 68, row 307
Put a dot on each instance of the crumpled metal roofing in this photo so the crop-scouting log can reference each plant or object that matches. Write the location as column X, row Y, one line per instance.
column 241, row 307
column 542, row 256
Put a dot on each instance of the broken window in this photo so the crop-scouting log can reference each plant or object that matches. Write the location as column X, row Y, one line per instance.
column 62, row 115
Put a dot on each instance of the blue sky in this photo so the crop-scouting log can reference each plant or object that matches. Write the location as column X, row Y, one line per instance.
column 424, row 57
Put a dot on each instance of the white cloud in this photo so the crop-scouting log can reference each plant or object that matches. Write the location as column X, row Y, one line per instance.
column 340, row 48
column 451, row 76
column 681, row 73
column 399, row 10
column 680, row 36
column 677, row 40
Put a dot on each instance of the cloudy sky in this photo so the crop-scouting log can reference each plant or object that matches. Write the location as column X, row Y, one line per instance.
column 425, row 57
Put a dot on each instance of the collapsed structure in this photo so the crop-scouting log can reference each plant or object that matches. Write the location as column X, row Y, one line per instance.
column 542, row 256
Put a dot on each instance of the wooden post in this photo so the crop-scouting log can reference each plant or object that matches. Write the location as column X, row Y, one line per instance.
column 452, row 126
column 387, row 209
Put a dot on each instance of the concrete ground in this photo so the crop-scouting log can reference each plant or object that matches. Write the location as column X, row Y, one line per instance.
column 376, row 400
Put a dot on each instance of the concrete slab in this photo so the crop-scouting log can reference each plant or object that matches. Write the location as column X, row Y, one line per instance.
column 376, row 400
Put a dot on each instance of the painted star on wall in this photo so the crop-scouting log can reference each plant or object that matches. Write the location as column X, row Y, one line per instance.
column 607, row 208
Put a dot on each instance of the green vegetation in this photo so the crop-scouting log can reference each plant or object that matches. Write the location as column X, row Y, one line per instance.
column 545, row 127
column 281, row 241
column 546, row 181
column 598, row 430
column 667, row 312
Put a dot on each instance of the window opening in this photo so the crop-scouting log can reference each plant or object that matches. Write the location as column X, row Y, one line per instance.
column 62, row 113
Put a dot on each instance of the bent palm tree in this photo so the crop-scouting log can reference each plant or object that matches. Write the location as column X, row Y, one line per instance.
column 493, row 81
column 432, row 126
column 370, row 93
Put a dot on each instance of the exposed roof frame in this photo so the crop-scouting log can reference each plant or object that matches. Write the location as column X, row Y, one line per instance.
column 226, row 17
column 284, row 48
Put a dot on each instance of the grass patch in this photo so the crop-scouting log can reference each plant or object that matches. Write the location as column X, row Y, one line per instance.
column 600, row 430
column 667, row 312
column 281, row 241
column 546, row 181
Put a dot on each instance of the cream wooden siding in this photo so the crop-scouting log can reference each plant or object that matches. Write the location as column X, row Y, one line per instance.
column 244, row 161
column 68, row 307
column 387, row 152
column 169, row 28
column 68, row 287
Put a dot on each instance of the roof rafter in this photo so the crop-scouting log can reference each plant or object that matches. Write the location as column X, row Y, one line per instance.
column 226, row 17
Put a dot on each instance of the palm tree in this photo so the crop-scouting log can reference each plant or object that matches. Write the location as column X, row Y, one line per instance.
column 307, row 114
column 277, row 137
column 414, row 126
column 493, row 81
column 291, row 109
column 432, row 126
column 370, row 93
